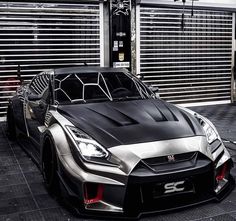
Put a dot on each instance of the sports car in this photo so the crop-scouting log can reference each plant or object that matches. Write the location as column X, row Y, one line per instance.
column 105, row 142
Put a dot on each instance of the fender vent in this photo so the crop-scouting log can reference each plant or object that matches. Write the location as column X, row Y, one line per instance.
column 48, row 117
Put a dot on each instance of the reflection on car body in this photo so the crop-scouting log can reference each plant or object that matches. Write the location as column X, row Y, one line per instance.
column 113, row 147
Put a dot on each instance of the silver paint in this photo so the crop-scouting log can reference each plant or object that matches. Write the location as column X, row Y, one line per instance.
column 129, row 156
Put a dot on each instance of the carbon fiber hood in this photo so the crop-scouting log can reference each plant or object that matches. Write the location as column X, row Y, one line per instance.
column 129, row 122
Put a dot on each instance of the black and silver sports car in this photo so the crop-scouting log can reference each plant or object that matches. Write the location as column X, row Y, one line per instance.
column 113, row 147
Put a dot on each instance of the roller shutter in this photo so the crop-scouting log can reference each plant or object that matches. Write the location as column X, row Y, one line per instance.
column 190, row 65
column 40, row 36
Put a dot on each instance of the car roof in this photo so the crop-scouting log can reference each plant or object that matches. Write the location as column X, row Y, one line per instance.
column 87, row 69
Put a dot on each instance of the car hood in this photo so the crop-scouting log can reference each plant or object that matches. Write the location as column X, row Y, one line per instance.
column 129, row 122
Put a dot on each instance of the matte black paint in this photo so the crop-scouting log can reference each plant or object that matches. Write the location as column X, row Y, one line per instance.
column 128, row 122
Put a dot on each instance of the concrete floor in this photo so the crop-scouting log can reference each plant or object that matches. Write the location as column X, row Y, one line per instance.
column 24, row 198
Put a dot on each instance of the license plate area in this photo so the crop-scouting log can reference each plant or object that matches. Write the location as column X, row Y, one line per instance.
column 172, row 188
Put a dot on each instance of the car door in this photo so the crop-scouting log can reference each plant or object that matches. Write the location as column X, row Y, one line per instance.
column 37, row 103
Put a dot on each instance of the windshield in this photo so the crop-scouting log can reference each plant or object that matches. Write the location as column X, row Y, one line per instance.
column 98, row 87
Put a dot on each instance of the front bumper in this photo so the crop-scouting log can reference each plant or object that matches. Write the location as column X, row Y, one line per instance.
column 144, row 195
column 137, row 195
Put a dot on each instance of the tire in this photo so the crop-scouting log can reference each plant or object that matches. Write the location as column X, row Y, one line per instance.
column 49, row 168
column 11, row 127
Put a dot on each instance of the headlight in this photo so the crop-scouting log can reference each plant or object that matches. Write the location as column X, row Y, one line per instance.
column 87, row 147
column 208, row 127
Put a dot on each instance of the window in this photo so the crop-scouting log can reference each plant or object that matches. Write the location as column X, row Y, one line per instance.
column 97, row 87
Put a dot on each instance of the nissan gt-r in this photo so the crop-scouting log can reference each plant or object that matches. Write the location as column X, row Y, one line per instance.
column 110, row 146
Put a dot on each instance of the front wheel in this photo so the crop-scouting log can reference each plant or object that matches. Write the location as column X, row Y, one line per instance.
column 49, row 168
column 11, row 127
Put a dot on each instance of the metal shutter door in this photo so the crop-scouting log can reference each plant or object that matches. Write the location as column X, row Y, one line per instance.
column 40, row 36
column 193, row 65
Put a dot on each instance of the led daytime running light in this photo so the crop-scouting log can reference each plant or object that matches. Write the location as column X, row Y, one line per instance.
column 208, row 128
column 86, row 145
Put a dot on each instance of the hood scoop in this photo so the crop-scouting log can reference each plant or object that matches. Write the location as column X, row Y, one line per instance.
column 118, row 118
column 130, row 122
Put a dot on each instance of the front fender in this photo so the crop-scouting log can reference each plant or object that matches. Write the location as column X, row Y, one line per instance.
column 58, row 137
column 64, row 154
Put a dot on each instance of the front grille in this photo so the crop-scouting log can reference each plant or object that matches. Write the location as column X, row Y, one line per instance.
column 164, row 159
column 147, row 194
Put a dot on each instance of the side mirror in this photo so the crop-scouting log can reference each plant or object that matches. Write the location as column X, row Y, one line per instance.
column 155, row 90
column 34, row 97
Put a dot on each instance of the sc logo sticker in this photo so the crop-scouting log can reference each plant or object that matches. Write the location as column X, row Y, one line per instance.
column 174, row 187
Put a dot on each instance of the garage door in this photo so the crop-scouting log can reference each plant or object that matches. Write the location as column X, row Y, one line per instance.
column 39, row 36
column 190, row 65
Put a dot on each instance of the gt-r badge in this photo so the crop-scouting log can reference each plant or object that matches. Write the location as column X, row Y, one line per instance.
column 171, row 158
